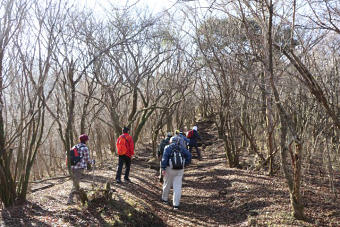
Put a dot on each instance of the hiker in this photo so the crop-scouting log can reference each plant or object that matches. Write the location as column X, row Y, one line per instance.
column 182, row 134
column 194, row 136
column 182, row 140
column 125, row 150
column 175, row 158
column 80, row 161
column 165, row 142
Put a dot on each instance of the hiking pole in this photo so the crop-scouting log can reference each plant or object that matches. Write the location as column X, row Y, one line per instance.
column 93, row 169
column 93, row 165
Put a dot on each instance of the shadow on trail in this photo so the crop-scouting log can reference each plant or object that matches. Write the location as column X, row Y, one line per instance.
column 115, row 211
column 142, row 192
column 210, row 184
column 90, row 178
column 217, row 203
column 195, row 209
column 202, row 164
column 24, row 215
column 224, row 214
column 226, row 205
column 118, row 212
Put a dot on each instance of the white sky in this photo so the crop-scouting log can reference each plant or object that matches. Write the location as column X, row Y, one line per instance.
column 155, row 6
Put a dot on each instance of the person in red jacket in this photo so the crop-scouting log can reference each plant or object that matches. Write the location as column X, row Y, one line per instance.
column 125, row 150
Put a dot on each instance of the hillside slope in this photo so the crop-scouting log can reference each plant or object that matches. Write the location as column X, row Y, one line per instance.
column 213, row 195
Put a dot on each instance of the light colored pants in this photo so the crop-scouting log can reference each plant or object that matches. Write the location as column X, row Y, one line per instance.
column 77, row 175
column 173, row 178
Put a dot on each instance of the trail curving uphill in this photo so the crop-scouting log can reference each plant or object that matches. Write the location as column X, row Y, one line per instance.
column 212, row 195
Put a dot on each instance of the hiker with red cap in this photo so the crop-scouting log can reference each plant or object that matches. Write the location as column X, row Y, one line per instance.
column 125, row 150
column 194, row 136
column 80, row 161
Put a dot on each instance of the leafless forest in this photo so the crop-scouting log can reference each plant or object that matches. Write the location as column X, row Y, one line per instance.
column 266, row 72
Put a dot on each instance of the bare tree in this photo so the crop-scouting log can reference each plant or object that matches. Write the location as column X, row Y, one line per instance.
column 12, row 17
column 293, row 176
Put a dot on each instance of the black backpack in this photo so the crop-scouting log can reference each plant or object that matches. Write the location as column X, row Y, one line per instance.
column 75, row 154
column 176, row 160
column 162, row 146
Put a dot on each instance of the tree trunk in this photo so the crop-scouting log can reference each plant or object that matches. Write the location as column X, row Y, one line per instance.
column 134, row 104
column 286, row 122
column 99, row 151
column 329, row 146
column 295, row 195
column 7, row 189
column 112, row 142
column 270, row 139
column 228, row 151
column 169, row 126
column 154, row 142
column 230, row 148
column 145, row 117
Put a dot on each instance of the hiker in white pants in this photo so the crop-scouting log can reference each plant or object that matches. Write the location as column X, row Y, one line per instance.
column 174, row 158
column 173, row 178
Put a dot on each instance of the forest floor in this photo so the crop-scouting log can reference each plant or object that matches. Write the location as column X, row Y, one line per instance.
column 212, row 195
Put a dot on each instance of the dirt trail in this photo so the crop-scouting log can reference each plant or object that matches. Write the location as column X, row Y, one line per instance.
column 213, row 195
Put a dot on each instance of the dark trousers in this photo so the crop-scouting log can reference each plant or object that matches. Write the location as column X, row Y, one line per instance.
column 197, row 150
column 123, row 159
column 160, row 171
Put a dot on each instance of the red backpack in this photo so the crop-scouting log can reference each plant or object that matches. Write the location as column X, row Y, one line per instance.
column 122, row 145
column 190, row 134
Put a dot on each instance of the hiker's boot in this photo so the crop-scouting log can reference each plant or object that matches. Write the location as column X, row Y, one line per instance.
column 165, row 202
column 127, row 180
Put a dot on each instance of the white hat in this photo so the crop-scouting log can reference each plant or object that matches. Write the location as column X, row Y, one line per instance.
column 194, row 128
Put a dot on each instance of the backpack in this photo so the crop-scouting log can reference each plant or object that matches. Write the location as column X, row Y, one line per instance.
column 122, row 145
column 75, row 155
column 190, row 134
column 176, row 160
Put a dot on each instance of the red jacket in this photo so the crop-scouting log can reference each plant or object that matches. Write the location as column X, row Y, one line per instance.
column 131, row 147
